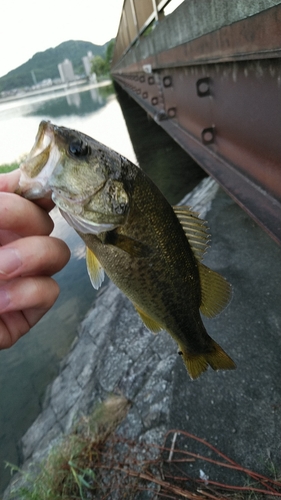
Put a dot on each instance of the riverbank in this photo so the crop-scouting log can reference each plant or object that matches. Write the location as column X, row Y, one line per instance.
column 70, row 87
column 239, row 411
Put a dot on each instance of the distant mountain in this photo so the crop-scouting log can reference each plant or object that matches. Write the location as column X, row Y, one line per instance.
column 45, row 64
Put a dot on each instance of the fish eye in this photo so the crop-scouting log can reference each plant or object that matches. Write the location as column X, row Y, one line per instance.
column 79, row 148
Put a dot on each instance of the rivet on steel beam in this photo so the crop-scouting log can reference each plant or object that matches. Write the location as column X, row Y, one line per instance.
column 160, row 115
column 145, row 95
column 167, row 81
column 151, row 80
column 208, row 135
column 154, row 101
column 142, row 78
column 171, row 112
column 138, row 91
column 203, row 87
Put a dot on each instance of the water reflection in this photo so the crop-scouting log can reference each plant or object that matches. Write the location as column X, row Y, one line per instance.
column 73, row 100
column 78, row 102
column 30, row 100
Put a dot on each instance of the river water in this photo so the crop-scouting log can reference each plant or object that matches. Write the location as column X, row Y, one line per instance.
column 114, row 119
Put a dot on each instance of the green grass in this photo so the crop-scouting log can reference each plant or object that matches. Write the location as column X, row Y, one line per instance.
column 64, row 474
column 8, row 167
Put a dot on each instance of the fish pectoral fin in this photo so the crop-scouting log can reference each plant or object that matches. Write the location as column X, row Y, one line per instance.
column 215, row 291
column 195, row 229
column 133, row 247
column 150, row 323
column 216, row 358
column 95, row 270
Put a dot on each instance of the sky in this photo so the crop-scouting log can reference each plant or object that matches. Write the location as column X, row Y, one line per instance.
column 30, row 26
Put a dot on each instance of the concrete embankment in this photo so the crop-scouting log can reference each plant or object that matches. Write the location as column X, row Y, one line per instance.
column 238, row 411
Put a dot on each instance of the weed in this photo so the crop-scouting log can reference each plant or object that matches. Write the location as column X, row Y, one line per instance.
column 95, row 462
column 70, row 470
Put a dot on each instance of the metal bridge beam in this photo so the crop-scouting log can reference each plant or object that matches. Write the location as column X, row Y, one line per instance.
column 219, row 97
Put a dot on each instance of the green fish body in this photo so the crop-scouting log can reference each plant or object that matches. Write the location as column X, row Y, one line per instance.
column 150, row 250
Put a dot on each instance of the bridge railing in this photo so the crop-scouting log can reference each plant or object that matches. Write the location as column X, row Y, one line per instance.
column 136, row 17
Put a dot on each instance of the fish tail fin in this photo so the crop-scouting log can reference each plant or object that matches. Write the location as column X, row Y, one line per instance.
column 216, row 358
column 195, row 365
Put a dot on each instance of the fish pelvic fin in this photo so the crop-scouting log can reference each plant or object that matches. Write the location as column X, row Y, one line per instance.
column 216, row 358
column 215, row 291
column 150, row 323
column 94, row 268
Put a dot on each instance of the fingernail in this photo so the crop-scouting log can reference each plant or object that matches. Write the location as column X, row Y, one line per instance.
column 4, row 300
column 9, row 261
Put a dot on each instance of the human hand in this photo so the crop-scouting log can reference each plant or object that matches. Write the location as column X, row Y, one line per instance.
column 28, row 259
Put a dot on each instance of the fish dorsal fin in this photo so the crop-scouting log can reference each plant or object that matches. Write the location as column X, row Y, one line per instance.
column 95, row 271
column 215, row 291
column 150, row 323
column 195, row 230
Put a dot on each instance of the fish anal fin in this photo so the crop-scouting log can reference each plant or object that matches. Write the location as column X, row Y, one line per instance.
column 95, row 270
column 215, row 291
column 150, row 323
column 195, row 230
column 216, row 358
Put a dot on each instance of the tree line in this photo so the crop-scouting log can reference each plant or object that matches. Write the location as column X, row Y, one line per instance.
column 101, row 65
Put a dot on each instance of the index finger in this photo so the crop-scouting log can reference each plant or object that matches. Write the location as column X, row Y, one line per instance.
column 9, row 183
column 23, row 217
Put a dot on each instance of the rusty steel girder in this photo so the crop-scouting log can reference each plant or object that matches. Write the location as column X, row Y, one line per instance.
column 223, row 107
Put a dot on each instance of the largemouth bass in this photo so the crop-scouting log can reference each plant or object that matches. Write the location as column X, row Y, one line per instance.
column 151, row 250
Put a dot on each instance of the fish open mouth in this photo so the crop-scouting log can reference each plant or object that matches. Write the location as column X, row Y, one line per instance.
column 37, row 168
column 43, row 139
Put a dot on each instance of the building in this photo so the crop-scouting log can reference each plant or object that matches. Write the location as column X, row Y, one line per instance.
column 66, row 71
column 87, row 63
